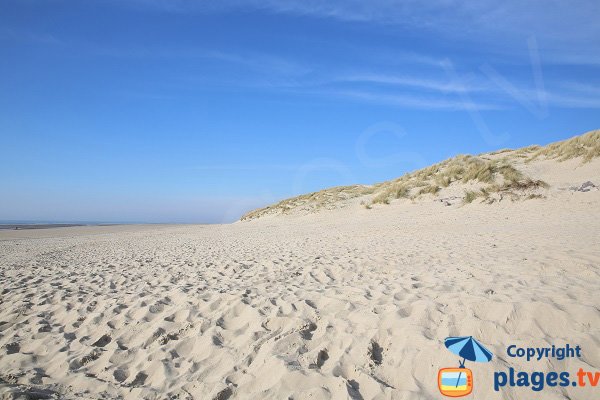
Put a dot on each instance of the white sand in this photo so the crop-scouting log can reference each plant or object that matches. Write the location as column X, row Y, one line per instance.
column 343, row 304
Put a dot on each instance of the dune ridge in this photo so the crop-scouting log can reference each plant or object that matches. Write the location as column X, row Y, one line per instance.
column 491, row 177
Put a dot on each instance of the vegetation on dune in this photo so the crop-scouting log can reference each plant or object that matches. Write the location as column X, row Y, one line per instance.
column 470, row 195
column 313, row 201
column 493, row 153
column 460, row 169
column 524, row 184
column 490, row 177
column 586, row 146
column 429, row 189
column 396, row 190
column 382, row 198
column 522, row 188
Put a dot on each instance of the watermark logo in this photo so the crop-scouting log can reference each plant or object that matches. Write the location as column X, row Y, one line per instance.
column 540, row 380
column 458, row 382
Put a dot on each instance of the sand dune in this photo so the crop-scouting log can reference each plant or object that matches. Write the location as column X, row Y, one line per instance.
column 490, row 177
column 351, row 303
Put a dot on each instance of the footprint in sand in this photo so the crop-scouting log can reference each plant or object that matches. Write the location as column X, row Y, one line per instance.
column 94, row 355
column 217, row 340
column 139, row 379
column 92, row 306
column 103, row 341
column 120, row 375
column 13, row 348
column 321, row 358
column 352, row 386
column 376, row 353
column 307, row 331
column 224, row 394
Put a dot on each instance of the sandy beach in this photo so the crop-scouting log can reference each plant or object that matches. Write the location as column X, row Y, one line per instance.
column 352, row 303
column 299, row 200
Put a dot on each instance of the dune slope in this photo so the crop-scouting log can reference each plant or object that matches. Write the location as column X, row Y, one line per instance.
column 489, row 177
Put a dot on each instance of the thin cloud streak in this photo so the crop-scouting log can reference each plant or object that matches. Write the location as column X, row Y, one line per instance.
column 569, row 100
column 253, row 60
column 409, row 89
column 486, row 17
column 411, row 101
column 244, row 167
column 417, row 82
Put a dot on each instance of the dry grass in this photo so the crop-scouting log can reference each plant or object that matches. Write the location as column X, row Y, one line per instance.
column 586, row 146
column 429, row 189
column 501, row 151
column 395, row 190
column 443, row 180
column 381, row 198
column 470, row 195
column 460, row 169
column 522, row 185
column 535, row 196
column 509, row 173
column 495, row 175
column 401, row 191
column 312, row 201
column 479, row 171
column 523, row 189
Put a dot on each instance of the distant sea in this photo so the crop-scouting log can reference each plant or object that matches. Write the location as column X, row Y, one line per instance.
column 20, row 224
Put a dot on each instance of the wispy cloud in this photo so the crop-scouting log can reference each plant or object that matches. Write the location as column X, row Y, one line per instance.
column 482, row 97
column 404, row 78
column 439, row 85
column 555, row 19
column 263, row 62
column 244, row 167
column 566, row 100
column 412, row 100
column 408, row 90
column 565, row 95
column 582, row 88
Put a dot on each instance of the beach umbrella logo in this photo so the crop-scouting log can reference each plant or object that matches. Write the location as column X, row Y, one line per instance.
column 458, row 382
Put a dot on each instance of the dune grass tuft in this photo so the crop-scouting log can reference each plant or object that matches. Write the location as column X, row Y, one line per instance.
column 470, row 195
column 522, row 185
column 429, row 189
column 586, row 146
column 401, row 191
column 382, row 198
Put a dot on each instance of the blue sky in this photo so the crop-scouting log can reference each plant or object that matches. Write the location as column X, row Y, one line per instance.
column 196, row 111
